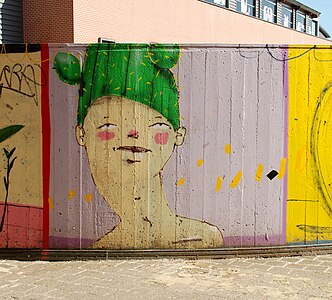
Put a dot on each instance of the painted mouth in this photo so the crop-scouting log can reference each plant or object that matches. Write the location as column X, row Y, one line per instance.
column 132, row 161
column 134, row 149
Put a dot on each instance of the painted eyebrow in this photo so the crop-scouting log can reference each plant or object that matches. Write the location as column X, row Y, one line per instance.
column 158, row 117
column 160, row 123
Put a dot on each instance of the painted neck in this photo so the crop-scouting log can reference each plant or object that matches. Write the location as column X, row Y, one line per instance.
column 139, row 199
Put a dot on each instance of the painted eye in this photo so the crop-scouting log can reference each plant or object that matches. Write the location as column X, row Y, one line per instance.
column 107, row 126
column 160, row 126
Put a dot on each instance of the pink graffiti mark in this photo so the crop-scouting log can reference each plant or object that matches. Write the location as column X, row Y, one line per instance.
column 106, row 135
column 161, row 138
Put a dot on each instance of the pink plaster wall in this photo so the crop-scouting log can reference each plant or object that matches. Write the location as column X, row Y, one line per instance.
column 176, row 21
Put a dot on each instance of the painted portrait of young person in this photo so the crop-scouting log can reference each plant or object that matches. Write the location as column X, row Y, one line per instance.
column 128, row 122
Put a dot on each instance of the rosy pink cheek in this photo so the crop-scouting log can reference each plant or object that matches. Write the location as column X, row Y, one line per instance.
column 106, row 135
column 161, row 138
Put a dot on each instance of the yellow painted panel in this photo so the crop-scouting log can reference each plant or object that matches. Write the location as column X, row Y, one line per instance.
column 310, row 148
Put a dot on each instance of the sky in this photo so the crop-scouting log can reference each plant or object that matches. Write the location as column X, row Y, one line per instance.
column 325, row 8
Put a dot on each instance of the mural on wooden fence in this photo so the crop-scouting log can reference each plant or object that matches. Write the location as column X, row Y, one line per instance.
column 138, row 146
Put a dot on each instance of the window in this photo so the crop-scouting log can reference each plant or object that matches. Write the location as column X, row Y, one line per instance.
column 300, row 21
column 269, row 10
column 223, row 3
column 287, row 16
column 314, row 28
column 247, row 7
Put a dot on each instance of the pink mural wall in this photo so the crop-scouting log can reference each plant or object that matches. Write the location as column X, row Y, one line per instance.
column 174, row 21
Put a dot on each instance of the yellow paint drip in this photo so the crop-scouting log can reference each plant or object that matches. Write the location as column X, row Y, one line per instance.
column 236, row 180
column 181, row 181
column 218, row 184
column 88, row 197
column 157, row 73
column 259, row 172
column 71, row 195
column 50, row 203
column 142, row 63
column 148, row 82
column 117, row 88
column 228, row 149
column 200, row 162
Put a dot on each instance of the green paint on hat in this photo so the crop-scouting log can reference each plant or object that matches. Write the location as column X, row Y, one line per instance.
column 139, row 72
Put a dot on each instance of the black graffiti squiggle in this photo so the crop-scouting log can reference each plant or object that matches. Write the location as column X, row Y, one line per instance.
column 10, row 164
column 22, row 79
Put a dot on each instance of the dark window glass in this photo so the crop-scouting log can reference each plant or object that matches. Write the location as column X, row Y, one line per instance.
column 287, row 16
column 223, row 3
column 300, row 21
column 269, row 10
column 247, row 7
column 314, row 28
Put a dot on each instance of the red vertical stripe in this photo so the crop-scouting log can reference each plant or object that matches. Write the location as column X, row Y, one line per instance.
column 46, row 139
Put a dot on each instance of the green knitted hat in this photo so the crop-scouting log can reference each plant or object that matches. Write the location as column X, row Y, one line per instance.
column 139, row 72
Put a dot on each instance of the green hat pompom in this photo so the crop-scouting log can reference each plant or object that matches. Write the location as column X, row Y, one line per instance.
column 68, row 68
column 164, row 56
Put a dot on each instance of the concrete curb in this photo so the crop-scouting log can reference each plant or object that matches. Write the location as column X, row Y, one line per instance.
column 222, row 253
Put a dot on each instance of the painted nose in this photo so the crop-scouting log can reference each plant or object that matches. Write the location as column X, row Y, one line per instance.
column 133, row 134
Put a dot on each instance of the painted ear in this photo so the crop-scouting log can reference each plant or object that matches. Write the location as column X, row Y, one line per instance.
column 68, row 68
column 80, row 134
column 180, row 135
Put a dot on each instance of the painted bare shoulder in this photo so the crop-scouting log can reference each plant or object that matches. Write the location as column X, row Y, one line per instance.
column 197, row 234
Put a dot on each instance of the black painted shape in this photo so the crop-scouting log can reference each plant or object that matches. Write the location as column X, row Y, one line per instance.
column 272, row 174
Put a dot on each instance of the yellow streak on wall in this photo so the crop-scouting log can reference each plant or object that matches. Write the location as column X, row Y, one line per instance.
column 88, row 197
column 181, row 181
column 259, row 172
column 236, row 180
column 218, row 184
column 50, row 203
column 228, row 149
column 71, row 195
column 282, row 168
column 200, row 162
